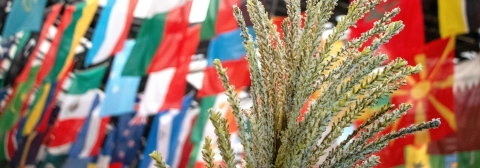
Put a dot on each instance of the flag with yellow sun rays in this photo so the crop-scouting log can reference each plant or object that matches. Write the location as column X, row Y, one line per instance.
column 430, row 92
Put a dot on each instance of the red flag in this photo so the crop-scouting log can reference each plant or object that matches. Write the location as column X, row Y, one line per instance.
column 225, row 19
column 175, row 95
column 237, row 71
column 187, row 147
column 467, row 103
column 167, row 82
column 171, row 47
column 410, row 39
column 219, row 18
column 430, row 92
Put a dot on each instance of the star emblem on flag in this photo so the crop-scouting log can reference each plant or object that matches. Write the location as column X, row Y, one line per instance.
column 126, row 133
column 131, row 143
column 28, row 5
column 121, row 154
column 430, row 92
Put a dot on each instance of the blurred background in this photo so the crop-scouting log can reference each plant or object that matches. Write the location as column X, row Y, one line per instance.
column 103, row 83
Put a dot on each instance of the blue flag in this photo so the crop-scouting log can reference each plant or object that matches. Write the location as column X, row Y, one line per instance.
column 25, row 15
column 227, row 46
column 120, row 92
column 128, row 140
column 164, row 133
column 151, row 141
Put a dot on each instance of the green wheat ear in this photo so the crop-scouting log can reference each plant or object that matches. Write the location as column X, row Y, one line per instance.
column 286, row 70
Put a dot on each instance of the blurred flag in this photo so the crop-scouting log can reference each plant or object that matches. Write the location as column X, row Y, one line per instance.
column 121, row 91
column 126, row 27
column 36, row 44
column 25, row 81
column 159, row 36
column 178, row 130
column 28, row 148
column 164, row 134
column 106, row 152
column 74, row 111
column 76, row 106
column 30, row 78
column 227, row 47
column 86, row 80
column 416, row 156
column 277, row 21
column 443, row 160
column 458, row 16
column 470, row 159
column 198, row 129
column 24, row 15
column 50, row 109
column 109, row 30
column 33, row 116
column 166, row 85
column 31, row 136
column 81, row 18
column 35, row 110
column 430, row 92
column 203, row 126
column 11, row 111
column 8, row 144
column 238, row 74
column 219, row 18
column 52, row 48
column 411, row 16
column 157, row 130
column 185, row 144
column 89, row 140
column 127, row 141
column 467, row 104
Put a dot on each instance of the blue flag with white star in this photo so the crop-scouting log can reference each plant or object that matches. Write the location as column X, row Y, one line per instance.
column 120, row 92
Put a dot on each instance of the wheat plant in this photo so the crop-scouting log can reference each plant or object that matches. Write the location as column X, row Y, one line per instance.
column 286, row 70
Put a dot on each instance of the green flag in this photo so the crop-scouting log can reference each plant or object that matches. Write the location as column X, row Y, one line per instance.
column 469, row 159
column 12, row 111
column 219, row 18
column 197, row 132
column 81, row 19
column 87, row 79
column 167, row 21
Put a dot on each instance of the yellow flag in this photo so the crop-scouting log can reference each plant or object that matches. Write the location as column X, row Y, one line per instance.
column 416, row 156
column 36, row 113
column 80, row 30
column 452, row 17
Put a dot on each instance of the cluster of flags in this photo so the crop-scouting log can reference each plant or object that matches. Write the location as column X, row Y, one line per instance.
column 109, row 101
column 441, row 90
